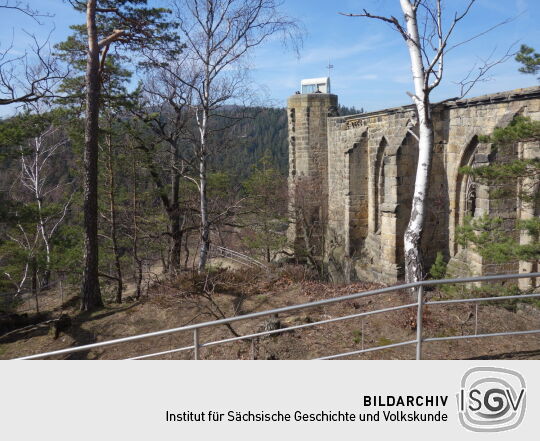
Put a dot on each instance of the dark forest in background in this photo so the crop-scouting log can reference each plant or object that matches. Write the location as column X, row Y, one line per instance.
column 263, row 134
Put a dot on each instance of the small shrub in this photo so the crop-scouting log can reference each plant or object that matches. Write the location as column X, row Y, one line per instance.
column 462, row 291
column 438, row 269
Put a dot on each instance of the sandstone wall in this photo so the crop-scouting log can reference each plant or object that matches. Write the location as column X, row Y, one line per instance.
column 308, row 158
column 367, row 179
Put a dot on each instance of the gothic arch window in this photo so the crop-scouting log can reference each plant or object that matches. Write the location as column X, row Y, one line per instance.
column 470, row 197
column 380, row 192
column 466, row 191
column 378, row 184
column 358, row 194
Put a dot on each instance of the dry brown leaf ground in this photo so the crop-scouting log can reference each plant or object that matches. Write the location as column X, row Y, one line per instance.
column 192, row 299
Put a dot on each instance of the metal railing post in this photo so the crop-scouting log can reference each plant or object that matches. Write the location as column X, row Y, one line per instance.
column 476, row 319
column 253, row 350
column 420, row 291
column 362, row 334
column 196, row 344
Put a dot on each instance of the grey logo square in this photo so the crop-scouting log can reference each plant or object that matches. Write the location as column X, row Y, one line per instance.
column 491, row 399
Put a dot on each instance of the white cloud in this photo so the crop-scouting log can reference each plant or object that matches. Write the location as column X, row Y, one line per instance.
column 321, row 54
column 368, row 77
column 401, row 79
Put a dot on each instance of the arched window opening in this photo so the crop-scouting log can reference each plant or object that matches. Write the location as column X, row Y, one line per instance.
column 358, row 195
column 378, row 185
column 470, row 197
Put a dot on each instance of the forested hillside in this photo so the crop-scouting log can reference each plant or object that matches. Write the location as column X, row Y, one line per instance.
column 263, row 133
column 132, row 189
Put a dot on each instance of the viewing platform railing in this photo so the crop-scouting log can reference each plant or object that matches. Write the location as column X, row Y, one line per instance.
column 420, row 303
column 235, row 256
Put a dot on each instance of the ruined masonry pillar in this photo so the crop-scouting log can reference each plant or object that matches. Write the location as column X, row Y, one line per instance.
column 308, row 158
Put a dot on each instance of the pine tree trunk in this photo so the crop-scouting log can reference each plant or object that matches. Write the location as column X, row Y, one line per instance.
column 176, row 224
column 90, row 291
column 177, row 238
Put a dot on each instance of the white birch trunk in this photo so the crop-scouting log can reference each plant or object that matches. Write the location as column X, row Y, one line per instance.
column 203, row 129
column 414, row 270
column 37, row 181
column 205, row 225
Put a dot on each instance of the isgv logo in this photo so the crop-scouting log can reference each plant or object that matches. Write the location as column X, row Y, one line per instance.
column 491, row 399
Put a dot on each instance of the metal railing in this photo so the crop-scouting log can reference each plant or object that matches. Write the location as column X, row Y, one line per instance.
column 420, row 303
column 235, row 256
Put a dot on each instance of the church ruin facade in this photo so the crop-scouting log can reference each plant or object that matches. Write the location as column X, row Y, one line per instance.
column 351, row 182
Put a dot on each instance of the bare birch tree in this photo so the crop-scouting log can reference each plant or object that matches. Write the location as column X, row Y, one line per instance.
column 47, row 206
column 218, row 35
column 427, row 29
column 35, row 180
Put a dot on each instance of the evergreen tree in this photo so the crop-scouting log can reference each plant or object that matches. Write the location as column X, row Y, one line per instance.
column 529, row 59
column 37, row 204
column 487, row 233
column 125, row 25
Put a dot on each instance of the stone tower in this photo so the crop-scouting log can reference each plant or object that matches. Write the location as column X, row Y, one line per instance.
column 308, row 163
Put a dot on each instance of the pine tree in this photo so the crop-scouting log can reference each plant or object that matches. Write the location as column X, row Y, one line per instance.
column 529, row 59
column 126, row 25
column 487, row 233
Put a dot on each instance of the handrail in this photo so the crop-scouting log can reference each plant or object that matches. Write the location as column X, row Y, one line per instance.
column 196, row 327
column 235, row 256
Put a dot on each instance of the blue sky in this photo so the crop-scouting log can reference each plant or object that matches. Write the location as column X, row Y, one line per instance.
column 371, row 64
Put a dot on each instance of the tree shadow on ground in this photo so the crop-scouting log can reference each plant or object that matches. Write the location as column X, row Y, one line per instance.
column 86, row 317
column 82, row 336
column 40, row 326
column 27, row 327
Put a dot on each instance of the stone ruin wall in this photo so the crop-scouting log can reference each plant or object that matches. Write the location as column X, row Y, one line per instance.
column 308, row 158
column 367, row 181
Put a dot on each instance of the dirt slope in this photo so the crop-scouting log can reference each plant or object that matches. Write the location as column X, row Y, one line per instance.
column 189, row 299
